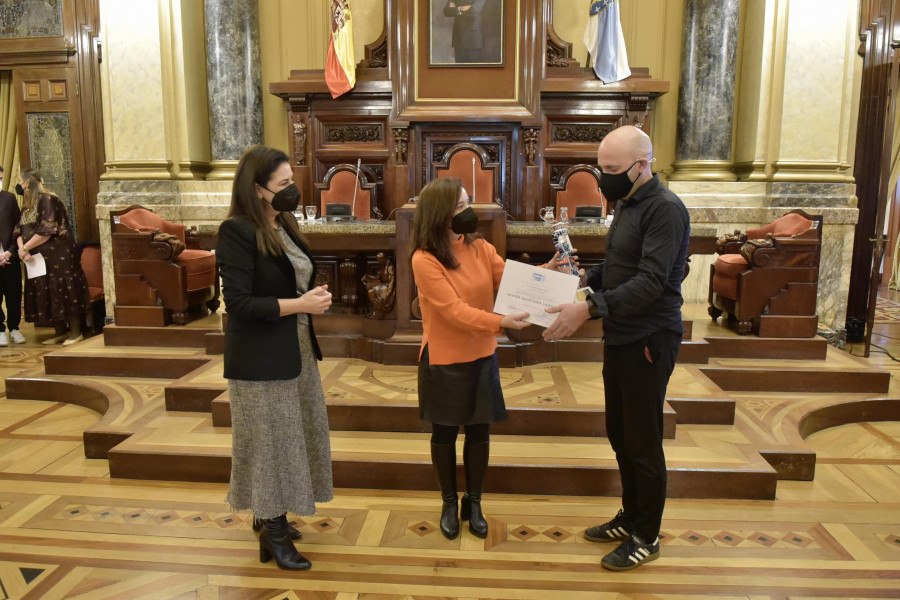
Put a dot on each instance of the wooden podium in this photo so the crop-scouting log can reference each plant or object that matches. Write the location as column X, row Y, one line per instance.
column 403, row 346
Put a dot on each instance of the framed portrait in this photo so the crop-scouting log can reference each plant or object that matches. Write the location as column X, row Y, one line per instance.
column 465, row 33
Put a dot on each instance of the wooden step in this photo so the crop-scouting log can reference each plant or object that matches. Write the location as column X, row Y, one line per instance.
column 583, row 422
column 173, row 336
column 751, row 346
column 519, row 464
column 92, row 357
column 809, row 381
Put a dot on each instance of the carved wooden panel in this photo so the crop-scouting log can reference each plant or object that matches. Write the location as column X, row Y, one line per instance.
column 31, row 91
column 59, row 90
column 495, row 142
column 343, row 275
column 341, row 133
column 583, row 133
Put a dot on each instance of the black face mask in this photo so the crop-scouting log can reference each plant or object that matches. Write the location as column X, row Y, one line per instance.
column 285, row 200
column 616, row 187
column 20, row 190
column 465, row 221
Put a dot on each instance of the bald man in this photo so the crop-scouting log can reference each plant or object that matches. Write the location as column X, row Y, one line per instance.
column 638, row 296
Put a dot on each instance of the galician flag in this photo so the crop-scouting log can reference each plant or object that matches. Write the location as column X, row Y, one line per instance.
column 605, row 42
column 340, row 65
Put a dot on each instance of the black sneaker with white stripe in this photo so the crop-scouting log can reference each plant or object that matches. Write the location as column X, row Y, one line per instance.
column 616, row 530
column 631, row 554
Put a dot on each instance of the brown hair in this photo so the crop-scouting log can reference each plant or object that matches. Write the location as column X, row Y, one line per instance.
column 35, row 187
column 256, row 167
column 434, row 211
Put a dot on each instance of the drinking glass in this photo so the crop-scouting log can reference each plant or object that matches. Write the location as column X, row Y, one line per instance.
column 311, row 212
column 564, row 214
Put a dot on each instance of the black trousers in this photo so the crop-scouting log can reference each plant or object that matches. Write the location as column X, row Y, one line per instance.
column 635, row 377
column 11, row 292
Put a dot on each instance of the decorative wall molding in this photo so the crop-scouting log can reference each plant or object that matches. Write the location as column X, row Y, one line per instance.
column 353, row 133
column 579, row 133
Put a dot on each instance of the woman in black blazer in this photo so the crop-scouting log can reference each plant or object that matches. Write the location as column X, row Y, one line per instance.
column 281, row 454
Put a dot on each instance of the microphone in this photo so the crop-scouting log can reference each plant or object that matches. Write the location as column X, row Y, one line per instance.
column 355, row 186
column 473, row 179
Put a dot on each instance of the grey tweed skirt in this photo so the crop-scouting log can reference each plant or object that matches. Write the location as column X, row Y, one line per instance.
column 281, row 452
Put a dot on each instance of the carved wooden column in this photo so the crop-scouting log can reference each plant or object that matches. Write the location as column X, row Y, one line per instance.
column 532, row 187
column 400, row 190
column 298, row 119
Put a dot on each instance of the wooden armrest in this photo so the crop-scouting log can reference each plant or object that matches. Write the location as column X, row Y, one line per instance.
column 172, row 240
column 200, row 240
column 142, row 246
column 730, row 243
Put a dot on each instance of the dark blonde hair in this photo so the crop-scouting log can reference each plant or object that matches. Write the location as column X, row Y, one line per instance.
column 35, row 187
column 256, row 167
column 434, row 212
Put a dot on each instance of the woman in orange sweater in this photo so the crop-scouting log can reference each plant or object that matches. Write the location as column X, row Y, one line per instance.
column 456, row 274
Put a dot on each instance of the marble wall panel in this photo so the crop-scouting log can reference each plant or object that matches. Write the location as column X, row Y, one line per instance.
column 30, row 18
column 820, row 48
column 132, row 66
column 50, row 152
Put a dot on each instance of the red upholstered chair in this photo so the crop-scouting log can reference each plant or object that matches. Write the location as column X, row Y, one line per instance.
column 579, row 185
column 92, row 265
column 458, row 163
column 164, row 272
column 337, row 188
column 767, row 278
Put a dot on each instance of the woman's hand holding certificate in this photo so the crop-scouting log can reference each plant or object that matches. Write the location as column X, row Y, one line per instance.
column 528, row 289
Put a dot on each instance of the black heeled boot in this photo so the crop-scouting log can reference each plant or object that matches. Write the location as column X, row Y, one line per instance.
column 295, row 534
column 475, row 460
column 443, row 457
column 275, row 542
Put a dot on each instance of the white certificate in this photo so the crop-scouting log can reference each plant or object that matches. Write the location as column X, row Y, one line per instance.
column 525, row 288
column 35, row 267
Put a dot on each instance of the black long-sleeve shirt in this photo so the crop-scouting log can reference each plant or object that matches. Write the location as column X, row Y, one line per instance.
column 638, row 284
column 9, row 218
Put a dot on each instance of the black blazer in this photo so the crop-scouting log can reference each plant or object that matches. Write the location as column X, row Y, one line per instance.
column 9, row 218
column 259, row 344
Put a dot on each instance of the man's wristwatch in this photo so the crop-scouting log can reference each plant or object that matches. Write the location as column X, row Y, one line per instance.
column 592, row 307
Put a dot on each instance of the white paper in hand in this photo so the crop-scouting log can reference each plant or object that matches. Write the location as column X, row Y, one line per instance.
column 36, row 266
column 525, row 288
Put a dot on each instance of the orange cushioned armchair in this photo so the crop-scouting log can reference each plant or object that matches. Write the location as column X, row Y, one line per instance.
column 164, row 272
column 767, row 278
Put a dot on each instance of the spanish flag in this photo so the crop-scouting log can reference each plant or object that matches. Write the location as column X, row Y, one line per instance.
column 340, row 65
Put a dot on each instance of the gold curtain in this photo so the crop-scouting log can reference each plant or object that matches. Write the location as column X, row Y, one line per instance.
column 892, row 185
column 9, row 148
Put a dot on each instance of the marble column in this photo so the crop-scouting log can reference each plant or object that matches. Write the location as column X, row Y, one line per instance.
column 233, row 77
column 703, row 146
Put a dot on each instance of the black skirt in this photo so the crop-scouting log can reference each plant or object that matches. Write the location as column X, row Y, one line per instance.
column 461, row 393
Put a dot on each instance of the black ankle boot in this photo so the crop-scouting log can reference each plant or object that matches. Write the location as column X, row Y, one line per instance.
column 275, row 542
column 443, row 457
column 295, row 535
column 475, row 460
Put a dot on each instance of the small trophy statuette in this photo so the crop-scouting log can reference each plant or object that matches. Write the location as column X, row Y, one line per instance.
column 563, row 245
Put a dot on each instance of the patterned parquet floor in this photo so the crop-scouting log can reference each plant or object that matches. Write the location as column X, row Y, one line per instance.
column 69, row 531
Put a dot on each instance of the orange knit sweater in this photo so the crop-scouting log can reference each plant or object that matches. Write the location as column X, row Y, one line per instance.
column 457, row 304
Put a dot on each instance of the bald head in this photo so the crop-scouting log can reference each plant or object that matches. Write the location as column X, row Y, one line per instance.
column 627, row 141
column 629, row 149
